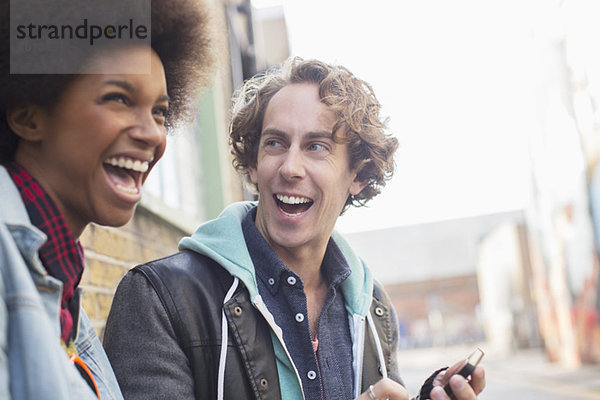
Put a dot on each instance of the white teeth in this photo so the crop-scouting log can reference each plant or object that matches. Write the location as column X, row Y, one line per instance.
column 128, row 163
column 128, row 190
column 292, row 199
column 290, row 215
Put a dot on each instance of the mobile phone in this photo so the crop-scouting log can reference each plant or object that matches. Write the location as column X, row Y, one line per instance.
column 469, row 366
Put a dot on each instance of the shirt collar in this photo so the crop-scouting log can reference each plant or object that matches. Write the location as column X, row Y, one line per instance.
column 267, row 264
column 334, row 266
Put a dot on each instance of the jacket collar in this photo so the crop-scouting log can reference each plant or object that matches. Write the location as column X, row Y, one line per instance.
column 14, row 215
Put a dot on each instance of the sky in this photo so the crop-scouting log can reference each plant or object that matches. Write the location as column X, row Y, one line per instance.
column 454, row 79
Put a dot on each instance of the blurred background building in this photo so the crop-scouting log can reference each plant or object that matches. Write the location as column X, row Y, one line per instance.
column 520, row 278
column 431, row 274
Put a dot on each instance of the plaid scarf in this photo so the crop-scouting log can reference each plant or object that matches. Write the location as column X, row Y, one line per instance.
column 61, row 254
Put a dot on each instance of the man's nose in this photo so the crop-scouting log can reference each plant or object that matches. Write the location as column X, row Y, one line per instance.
column 293, row 166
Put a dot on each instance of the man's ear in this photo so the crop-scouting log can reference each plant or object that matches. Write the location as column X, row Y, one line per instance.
column 24, row 121
column 253, row 175
column 357, row 186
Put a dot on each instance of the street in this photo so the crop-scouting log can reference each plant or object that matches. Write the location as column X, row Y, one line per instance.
column 524, row 375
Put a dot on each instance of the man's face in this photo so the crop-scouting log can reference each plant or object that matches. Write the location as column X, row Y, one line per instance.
column 303, row 176
column 93, row 149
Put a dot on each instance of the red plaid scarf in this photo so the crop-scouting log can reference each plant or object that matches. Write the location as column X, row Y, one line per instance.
column 61, row 254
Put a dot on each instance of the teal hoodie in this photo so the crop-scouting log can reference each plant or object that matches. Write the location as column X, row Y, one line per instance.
column 220, row 240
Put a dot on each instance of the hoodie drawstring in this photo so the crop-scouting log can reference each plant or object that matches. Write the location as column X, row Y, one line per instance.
column 358, row 347
column 224, row 339
column 382, row 366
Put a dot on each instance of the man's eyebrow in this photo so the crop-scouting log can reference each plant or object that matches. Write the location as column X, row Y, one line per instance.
column 311, row 135
column 128, row 86
column 320, row 135
column 273, row 132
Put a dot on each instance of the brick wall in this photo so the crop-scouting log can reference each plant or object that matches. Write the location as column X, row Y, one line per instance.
column 111, row 252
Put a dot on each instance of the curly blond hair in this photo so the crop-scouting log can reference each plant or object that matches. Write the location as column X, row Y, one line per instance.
column 359, row 123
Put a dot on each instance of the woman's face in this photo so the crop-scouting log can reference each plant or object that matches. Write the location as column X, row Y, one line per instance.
column 93, row 149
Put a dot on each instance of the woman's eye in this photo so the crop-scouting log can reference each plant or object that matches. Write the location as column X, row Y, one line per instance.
column 116, row 97
column 161, row 111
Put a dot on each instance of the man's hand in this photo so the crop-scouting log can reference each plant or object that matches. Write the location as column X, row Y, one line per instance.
column 385, row 389
column 462, row 389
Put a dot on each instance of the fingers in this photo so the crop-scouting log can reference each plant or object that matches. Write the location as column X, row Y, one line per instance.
column 478, row 379
column 455, row 367
column 442, row 378
column 385, row 389
column 462, row 389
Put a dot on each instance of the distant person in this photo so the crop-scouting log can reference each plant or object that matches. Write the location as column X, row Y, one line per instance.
column 74, row 149
column 267, row 301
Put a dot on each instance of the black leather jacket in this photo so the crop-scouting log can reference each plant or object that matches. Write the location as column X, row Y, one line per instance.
column 168, row 314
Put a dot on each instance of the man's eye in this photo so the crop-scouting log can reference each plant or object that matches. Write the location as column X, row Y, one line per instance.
column 272, row 143
column 317, row 147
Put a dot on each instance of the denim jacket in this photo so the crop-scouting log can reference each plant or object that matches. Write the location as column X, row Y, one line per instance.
column 33, row 363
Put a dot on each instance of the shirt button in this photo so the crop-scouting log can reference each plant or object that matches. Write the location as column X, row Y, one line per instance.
column 311, row 375
column 271, row 281
column 291, row 280
column 299, row 317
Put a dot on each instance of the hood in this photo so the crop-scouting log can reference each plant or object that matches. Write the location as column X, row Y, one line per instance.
column 221, row 239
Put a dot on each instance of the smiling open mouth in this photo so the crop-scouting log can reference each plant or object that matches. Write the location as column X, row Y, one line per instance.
column 126, row 173
column 293, row 205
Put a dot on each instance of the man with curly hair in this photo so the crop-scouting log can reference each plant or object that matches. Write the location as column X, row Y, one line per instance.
column 76, row 148
column 268, row 301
